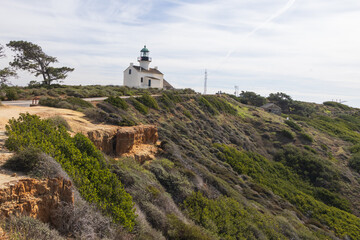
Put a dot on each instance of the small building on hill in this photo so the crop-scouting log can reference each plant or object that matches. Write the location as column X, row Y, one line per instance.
column 143, row 76
column 272, row 108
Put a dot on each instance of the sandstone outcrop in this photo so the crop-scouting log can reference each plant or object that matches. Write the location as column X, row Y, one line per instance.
column 123, row 140
column 35, row 198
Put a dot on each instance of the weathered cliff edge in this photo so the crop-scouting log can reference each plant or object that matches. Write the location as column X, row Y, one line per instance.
column 35, row 198
column 124, row 140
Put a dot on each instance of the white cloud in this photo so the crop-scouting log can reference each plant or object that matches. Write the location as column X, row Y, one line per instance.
column 310, row 50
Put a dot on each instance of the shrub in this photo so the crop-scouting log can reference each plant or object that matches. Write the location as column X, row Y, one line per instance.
column 24, row 227
column 139, row 106
column 11, row 94
column 220, row 104
column 293, row 125
column 80, row 159
column 355, row 148
column 178, row 230
column 60, row 121
column 73, row 103
column 96, row 114
column 354, row 162
column 337, row 105
column 188, row 114
column 306, row 137
column 117, row 102
column 24, row 161
column 310, row 149
column 207, row 106
column 286, row 133
column 148, row 101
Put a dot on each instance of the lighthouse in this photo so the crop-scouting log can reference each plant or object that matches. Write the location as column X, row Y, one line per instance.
column 144, row 58
column 143, row 76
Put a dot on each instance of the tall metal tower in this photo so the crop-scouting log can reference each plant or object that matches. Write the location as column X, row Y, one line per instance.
column 236, row 91
column 205, row 83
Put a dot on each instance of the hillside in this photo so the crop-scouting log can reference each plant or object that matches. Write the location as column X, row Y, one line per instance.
column 222, row 169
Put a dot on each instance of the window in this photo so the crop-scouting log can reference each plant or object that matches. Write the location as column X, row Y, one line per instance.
column 142, row 79
column 149, row 83
column 129, row 71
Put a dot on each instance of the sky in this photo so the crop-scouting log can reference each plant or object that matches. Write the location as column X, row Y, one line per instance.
column 305, row 48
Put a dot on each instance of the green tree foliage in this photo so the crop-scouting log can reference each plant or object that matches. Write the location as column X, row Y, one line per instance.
column 283, row 100
column 80, row 159
column 117, row 102
column 30, row 57
column 252, row 98
column 6, row 72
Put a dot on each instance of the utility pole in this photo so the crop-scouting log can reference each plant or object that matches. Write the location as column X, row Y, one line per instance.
column 205, row 83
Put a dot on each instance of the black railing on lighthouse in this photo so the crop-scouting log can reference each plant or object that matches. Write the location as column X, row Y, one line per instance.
column 144, row 59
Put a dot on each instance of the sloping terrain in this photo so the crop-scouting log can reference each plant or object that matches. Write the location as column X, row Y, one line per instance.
column 232, row 171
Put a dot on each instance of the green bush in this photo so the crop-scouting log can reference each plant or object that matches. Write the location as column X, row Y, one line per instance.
column 80, row 159
column 179, row 230
column 310, row 149
column 59, row 120
column 11, row 94
column 293, row 125
column 337, row 105
column 207, row 106
column 220, row 104
column 139, row 106
column 288, row 185
column 24, row 161
column 355, row 148
column 286, row 133
column 73, row 103
column 117, row 102
column 148, row 101
column 306, row 137
column 354, row 162
column 228, row 219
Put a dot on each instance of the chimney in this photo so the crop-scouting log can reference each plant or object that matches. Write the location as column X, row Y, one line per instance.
column 155, row 67
column 131, row 64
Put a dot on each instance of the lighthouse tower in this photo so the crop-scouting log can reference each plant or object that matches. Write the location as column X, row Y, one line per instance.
column 144, row 58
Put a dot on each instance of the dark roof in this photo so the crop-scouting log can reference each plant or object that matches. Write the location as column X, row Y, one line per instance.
column 167, row 85
column 270, row 105
column 151, row 70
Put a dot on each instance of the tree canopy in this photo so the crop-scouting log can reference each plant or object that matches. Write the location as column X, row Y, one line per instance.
column 30, row 57
column 6, row 72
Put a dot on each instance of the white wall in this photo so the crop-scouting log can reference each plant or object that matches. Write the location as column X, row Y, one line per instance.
column 134, row 79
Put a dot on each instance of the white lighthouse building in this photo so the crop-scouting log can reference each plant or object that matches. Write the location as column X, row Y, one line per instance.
column 142, row 76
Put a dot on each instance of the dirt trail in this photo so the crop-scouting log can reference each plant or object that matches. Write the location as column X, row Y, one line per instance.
column 75, row 119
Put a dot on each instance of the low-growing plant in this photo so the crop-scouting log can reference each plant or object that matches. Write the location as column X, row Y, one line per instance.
column 139, row 106
column 354, row 162
column 306, row 137
column 286, row 133
column 148, row 101
column 59, row 120
column 25, row 160
column 293, row 125
column 117, row 102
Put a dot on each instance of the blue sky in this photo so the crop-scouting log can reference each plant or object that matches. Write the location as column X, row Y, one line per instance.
column 308, row 49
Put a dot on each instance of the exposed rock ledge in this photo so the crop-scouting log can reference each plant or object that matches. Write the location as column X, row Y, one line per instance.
column 35, row 198
column 124, row 140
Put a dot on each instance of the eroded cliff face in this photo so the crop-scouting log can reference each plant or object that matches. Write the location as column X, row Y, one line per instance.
column 138, row 141
column 35, row 198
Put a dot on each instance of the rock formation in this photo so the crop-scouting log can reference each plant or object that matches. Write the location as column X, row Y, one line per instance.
column 123, row 140
column 35, row 198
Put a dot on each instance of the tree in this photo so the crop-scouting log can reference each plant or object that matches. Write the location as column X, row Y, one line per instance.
column 30, row 57
column 252, row 98
column 283, row 100
column 7, row 72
